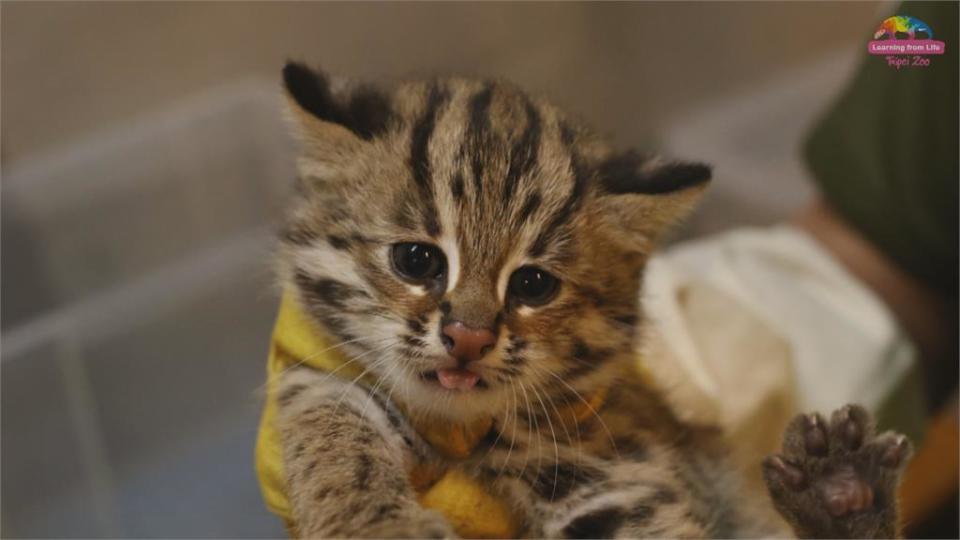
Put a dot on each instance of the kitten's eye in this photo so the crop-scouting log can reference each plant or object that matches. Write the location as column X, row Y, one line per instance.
column 418, row 261
column 532, row 286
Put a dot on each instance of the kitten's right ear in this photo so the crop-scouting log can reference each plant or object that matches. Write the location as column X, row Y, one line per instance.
column 333, row 123
column 646, row 196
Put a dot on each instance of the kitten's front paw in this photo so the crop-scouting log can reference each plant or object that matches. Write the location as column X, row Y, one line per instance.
column 837, row 480
column 421, row 523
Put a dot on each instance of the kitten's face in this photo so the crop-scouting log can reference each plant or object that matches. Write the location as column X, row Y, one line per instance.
column 468, row 244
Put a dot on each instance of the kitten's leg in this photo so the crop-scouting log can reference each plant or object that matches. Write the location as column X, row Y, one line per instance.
column 586, row 497
column 625, row 510
column 346, row 454
column 837, row 480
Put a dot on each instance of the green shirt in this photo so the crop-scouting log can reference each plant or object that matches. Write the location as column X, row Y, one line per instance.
column 885, row 155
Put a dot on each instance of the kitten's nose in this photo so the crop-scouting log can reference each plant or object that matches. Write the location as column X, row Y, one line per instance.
column 467, row 344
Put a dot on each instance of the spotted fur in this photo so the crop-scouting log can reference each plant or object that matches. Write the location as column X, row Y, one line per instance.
column 497, row 179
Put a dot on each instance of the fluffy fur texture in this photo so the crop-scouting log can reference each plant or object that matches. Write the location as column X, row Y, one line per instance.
column 497, row 180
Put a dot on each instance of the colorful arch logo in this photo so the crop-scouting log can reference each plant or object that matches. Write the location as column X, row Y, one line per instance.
column 901, row 26
column 905, row 42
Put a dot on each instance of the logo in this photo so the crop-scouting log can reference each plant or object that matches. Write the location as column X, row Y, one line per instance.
column 905, row 42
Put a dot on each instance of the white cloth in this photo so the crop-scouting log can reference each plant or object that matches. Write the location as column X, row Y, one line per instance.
column 749, row 327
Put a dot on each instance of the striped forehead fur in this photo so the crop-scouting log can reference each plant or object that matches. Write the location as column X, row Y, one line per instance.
column 482, row 151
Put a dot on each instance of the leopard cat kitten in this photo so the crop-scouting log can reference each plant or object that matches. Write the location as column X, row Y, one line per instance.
column 479, row 253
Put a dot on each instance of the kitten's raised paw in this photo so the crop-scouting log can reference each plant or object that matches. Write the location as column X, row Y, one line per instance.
column 837, row 480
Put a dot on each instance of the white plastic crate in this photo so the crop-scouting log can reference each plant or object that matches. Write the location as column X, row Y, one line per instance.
column 137, row 310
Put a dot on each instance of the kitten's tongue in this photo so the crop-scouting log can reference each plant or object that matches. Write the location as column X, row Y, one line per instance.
column 457, row 379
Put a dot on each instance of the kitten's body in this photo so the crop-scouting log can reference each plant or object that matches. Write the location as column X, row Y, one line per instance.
column 495, row 183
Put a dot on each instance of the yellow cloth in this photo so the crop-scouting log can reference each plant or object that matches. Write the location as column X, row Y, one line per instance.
column 472, row 511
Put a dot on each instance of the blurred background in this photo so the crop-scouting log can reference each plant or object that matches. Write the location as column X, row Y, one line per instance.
column 144, row 163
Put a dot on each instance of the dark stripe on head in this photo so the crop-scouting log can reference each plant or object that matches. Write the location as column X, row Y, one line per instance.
column 404, row 215
column 431, row 223
column 456, row 187
column 420, row 157
column 478, row 131
column 529, row 207
column 368, row 113
column 581, row 177
column 523, row 155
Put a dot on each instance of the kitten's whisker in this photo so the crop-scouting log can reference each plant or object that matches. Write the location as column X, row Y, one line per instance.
column 535, row 432
column 592, row 410
column 557, row 411
column 495, row 441
column 351, row 384
column 368, row 369
column 563, row 423
column 576, row 427
column 513, row 435
column 556, row 448
column 576, row 424
column 363, row 372
column 506, row 415
column 274, row 376
column 388, row 340
column 375, row 389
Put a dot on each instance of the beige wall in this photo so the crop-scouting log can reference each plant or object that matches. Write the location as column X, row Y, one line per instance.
column 71, row 69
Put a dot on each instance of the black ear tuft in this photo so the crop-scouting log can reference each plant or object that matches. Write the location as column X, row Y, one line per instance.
column 366, row 111
column 625, row 173
column 310, row 90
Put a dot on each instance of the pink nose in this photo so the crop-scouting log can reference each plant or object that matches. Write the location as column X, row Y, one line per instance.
column 467, row 344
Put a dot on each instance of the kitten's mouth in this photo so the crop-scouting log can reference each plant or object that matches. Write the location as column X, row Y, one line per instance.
column 462, row 380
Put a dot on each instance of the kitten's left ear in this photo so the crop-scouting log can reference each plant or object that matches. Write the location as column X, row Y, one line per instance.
column 646, row 196
column 333, row 122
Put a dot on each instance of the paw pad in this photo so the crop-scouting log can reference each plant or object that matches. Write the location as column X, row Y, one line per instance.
column 837, row 480
column 845, row 493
